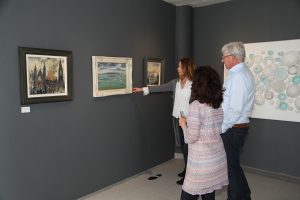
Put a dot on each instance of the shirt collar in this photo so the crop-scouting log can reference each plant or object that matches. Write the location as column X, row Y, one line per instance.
column 187, row 83
column 237, row 67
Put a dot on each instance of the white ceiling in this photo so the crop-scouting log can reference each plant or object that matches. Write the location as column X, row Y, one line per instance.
column 194, row 3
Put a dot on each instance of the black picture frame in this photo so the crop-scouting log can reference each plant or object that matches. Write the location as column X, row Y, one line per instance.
column 45, row 75
column 154, row 71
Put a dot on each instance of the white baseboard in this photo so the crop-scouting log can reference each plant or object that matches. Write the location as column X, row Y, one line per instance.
column 280, row 176
column 178, row 156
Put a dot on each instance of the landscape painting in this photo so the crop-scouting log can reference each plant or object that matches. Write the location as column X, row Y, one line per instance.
column 111, row 75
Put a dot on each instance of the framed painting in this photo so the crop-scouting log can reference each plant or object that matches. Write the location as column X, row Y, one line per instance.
column 111, row 75
column 275, row 66
column 276, row 70
column 154, row 71
column 45, row 75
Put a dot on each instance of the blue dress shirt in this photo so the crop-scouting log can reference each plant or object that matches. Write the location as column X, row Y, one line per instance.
column 238, row 97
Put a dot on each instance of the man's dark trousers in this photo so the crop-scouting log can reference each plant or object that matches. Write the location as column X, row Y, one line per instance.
column 234, row 139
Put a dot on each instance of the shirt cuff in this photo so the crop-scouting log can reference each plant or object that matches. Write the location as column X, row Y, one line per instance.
column 145, row 91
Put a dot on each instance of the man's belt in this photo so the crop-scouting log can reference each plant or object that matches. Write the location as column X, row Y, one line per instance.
column 244, row 125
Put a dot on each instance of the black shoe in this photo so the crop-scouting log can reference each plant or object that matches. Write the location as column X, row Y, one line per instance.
column 154, row 177
column 180, row 182
column 181, row 174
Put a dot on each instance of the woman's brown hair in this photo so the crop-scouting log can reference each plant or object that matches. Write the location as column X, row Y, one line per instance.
column 207, row 87
column 188, row 67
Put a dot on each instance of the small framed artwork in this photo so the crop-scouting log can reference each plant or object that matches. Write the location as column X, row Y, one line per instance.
column 154, row 71
column 111, row 75
column 45, row 75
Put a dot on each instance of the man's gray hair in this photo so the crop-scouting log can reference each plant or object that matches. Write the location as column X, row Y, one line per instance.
column 234, row 48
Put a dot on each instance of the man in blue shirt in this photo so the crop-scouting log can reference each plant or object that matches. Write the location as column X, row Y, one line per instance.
column 237, row 105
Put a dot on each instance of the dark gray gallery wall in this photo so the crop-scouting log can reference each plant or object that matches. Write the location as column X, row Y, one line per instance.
column 65, row 150
column 272, row 145
column 183, row 37
column 184, row 32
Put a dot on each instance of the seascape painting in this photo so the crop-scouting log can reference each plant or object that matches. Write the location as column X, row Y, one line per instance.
column 111, row 75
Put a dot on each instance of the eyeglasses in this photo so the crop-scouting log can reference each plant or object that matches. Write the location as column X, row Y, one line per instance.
column 223, row 57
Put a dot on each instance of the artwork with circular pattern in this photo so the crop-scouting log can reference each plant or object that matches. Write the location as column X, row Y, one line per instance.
column 276, row 69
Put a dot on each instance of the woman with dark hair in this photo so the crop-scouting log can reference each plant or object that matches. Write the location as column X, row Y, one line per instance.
column 181, row 88
column 206, row 169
